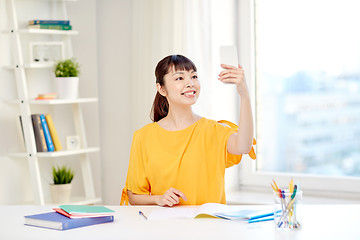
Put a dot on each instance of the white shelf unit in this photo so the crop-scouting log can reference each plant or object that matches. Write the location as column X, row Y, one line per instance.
column 56, row 101
column 61, row 153
column 31, row 155
column 32, row 66
column 48, row 31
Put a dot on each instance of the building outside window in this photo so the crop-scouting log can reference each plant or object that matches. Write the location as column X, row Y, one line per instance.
column 307, row 81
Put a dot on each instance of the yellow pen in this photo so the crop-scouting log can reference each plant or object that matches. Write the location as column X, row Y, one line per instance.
column 291, row 190
column 277, row 189
column 291, row 186
column 273, row 187
column 279, row 194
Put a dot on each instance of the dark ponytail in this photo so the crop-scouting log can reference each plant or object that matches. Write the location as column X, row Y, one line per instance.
column 160, row 107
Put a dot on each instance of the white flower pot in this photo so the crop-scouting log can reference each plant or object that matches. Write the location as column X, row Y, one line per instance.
column 60, row 193
column 67, row 87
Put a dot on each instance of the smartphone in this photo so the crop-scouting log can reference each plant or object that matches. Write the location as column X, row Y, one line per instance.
column 228, row 55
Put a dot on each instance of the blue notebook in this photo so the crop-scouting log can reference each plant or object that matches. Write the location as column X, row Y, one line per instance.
column 54, row 220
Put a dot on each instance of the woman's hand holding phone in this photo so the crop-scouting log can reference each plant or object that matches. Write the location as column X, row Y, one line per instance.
column 234, row 75
column 232, row 71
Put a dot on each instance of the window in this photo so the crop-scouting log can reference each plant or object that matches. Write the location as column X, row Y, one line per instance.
column 307, row 67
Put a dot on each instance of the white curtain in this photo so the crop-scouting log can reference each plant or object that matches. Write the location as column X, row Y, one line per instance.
column 210, row 24
column 194, row 28
column 156, row 34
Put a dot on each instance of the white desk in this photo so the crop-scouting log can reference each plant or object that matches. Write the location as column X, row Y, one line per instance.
column 319, row 222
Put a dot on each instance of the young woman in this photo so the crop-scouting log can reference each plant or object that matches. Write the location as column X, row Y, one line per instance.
column 181, row 157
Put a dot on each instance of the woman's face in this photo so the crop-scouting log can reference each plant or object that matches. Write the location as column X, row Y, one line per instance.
column 181, row 87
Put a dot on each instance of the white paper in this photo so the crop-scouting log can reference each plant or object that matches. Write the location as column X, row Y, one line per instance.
column 171, row 213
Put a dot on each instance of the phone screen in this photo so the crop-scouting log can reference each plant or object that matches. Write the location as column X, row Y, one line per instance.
column 228, row 55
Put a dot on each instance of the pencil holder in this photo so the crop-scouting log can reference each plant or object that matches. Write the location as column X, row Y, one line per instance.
column 287, row 212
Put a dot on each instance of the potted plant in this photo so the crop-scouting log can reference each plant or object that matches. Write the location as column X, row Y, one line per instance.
column 61, row 188
column 66, row 77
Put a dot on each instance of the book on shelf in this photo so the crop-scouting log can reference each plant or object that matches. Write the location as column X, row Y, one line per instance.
column 49, row 142
column 39, row 133
column 46, row 136
column 53, row 133
column 215, row 210
column 50, row 22
column 80, row 211
column 51, row 27
column 22, row 128
column 55, row 220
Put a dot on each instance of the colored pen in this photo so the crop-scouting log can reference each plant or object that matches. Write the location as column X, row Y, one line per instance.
column 294, row 193
column 142, row 214
column 261, row 219
column 275, row 185
column 288, row 207
column 291, row 190
column 291, row 186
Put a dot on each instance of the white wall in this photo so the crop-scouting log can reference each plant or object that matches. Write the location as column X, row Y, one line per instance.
column 15, row 185
column 105, row 49
column 83, row 15
column 114, row 20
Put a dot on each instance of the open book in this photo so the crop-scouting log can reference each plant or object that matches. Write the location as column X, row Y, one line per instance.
column 215, row 210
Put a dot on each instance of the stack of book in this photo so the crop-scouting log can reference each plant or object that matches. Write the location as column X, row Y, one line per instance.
column 50, row 24
column 71, row 216
column 46, row 137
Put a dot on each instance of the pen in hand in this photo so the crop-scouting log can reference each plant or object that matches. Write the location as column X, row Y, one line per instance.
column 142, row 214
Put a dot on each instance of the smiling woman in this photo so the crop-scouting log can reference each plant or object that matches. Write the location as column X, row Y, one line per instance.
column 181, row 157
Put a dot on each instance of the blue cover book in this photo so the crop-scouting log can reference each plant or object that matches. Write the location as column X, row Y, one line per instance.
column 49, row 142
column 54, row 220
column 52, row 22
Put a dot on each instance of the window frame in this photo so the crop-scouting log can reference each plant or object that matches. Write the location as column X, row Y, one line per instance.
column 249, row 177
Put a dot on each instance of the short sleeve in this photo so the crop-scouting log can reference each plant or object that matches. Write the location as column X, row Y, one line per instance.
column 224, row 130
column 136, row 180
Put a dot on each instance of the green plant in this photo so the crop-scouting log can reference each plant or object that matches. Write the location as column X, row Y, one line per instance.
column 62, row 175
column 67, row 68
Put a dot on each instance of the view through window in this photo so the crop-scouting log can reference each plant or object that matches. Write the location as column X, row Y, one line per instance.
column 308, row 86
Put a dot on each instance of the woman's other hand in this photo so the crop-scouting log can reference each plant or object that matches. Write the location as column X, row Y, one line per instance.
column 171, row 198
column 234, row 75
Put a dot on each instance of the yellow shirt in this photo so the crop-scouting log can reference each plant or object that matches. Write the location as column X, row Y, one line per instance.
column 192, row 160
